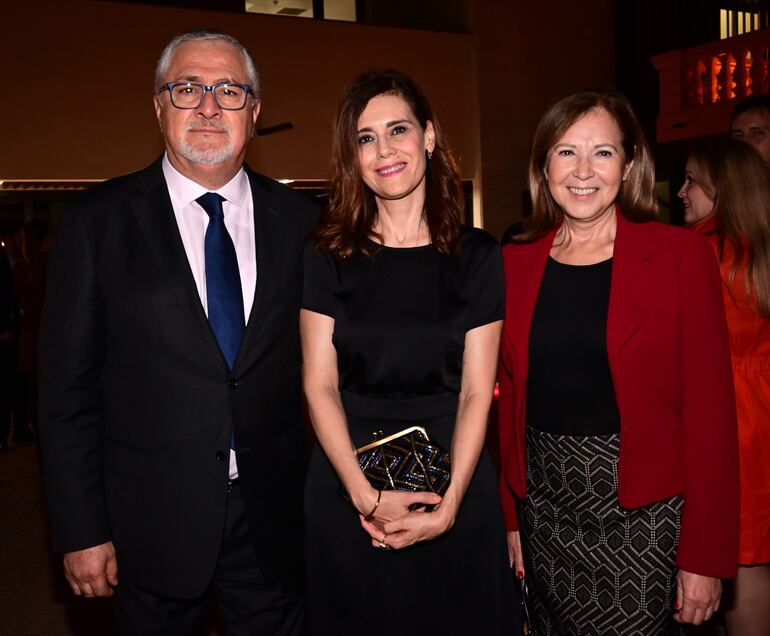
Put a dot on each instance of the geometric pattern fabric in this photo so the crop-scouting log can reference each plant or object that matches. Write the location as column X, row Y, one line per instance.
column 410, row 462
column 592, row 567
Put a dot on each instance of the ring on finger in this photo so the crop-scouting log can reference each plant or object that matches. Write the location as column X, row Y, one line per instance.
column 382, row 543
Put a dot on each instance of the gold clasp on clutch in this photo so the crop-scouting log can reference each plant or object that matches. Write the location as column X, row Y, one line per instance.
column 379, row 442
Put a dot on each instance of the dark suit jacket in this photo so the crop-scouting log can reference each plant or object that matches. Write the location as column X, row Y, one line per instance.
column 137, row 402
column 670, row 363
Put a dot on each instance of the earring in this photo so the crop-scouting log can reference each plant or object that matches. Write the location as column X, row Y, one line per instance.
column 430, row 154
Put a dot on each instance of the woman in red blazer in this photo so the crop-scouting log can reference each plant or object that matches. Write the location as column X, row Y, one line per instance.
column 617, row 416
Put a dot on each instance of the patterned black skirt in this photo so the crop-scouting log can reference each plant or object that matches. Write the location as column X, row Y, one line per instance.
column 594, row 568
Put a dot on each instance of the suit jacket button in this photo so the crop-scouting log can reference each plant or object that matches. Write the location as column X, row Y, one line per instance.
column 220, row 455
column 232, row 383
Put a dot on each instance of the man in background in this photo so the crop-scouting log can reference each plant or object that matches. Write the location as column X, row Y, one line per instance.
column 750, row 122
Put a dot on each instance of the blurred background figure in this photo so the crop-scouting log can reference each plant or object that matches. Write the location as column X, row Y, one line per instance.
column 26, row 251
column 8, row 343
column 750, row 122
column 33, row 241
column 726, row 195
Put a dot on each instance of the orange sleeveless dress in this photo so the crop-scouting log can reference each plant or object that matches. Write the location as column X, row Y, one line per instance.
column 750, row 348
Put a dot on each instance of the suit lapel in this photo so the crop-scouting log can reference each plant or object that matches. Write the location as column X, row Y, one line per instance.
column 523, row 289
column 636, row 278
column 269, row 246
column 635, row 282
column 155, row 216
column 524, row 293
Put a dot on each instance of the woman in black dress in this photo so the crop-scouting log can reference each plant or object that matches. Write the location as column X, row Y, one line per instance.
column 400, row 326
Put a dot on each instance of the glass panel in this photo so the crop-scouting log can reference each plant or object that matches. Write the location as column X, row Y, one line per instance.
column 340, row 10
column 296, row 8
column 723, row 33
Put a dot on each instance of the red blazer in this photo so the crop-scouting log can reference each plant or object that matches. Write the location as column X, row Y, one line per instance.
column 670, row 363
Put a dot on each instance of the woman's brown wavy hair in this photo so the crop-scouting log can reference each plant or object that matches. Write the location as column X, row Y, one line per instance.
column 637, row 194
column 734, row 176
column 349, row 219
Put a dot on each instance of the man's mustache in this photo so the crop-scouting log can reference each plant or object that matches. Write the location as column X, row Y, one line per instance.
column 208, row 123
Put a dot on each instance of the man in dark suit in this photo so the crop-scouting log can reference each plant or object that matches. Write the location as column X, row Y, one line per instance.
column 170, row 369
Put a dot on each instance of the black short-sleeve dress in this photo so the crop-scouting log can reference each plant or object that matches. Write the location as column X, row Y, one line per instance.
column 400, row 322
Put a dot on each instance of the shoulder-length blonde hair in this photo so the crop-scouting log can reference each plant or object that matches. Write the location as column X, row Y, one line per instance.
column 349, row 219
column 637, row 194
column 734, row 176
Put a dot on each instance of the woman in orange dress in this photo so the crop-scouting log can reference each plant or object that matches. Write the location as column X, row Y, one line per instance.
column 726, row 196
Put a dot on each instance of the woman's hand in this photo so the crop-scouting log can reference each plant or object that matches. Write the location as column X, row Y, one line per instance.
column 515, row 557
column 411, row 526
column 697, row 597
column 381, row 508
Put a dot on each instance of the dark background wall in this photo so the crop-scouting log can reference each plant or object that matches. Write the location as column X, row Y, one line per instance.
column 529, row 54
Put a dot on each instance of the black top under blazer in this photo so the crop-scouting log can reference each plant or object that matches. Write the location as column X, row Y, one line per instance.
column 137, row 403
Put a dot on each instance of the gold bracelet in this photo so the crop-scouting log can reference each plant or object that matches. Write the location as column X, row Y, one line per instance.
column 370, row 516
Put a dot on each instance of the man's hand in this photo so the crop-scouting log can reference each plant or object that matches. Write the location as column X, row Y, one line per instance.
column 92, row 572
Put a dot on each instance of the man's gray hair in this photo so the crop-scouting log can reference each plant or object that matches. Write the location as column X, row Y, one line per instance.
column 199, row 35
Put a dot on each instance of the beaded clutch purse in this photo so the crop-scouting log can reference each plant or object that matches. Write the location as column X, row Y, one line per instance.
column 407, row 460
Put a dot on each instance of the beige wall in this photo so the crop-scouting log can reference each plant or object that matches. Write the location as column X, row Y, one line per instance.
column 77, row 102
column 89, row 67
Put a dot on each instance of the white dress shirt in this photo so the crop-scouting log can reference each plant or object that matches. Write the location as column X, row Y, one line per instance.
column 192, row 221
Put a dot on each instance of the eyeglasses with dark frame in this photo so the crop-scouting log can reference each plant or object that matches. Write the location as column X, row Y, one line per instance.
column 188, row 95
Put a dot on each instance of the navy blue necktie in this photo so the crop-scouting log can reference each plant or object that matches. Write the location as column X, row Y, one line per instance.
column 223, row 281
